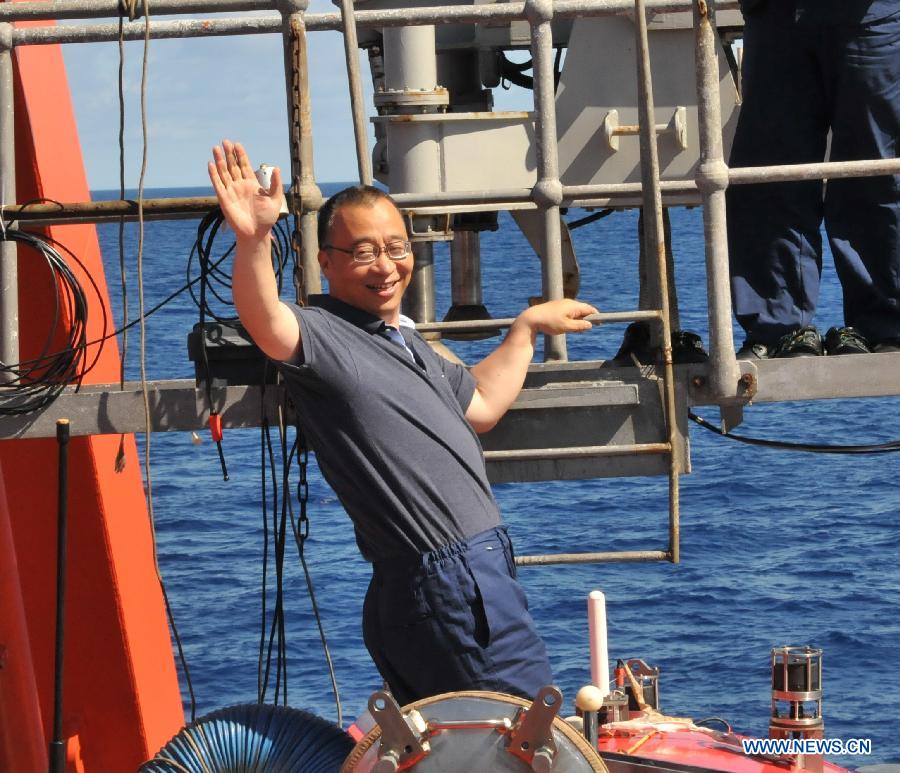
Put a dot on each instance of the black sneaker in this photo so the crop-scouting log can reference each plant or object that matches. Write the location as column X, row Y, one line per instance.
column 687, row 347
column 845, row 340
column 753, row 351
column 804, row 342
column 887, row 345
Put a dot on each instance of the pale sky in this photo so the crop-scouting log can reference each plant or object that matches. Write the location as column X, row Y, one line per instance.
column 202, row 90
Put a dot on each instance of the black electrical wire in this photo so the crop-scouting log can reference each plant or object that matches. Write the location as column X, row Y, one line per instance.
column 168, row 299
column 517, row 66
column 592, row 218
column 283, row 247
column 270, row 638
column 34, row 383
column 211, row 276
column 213, row 279
column 272, row 665
column 514, row 72
column 557, row 68
column 211, row 299
column 281, row 672
column 217, row 282
column 817, row 448
column 265, row 445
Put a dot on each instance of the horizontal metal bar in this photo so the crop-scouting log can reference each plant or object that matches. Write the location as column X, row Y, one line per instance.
column 159, row 30
column 826, row 170
column 498, row 195
column 175, row 405
column 571, row 192
column 625, row 201
column 451, row 118
column 116, row 209
column 575, row 452
column 611, row 557
column 435, row 726
column 496, row 324
column 416, row 203
column 164, row 209
column 89, row 9
column 101, row 9
column 178, row 405
column 810, row 378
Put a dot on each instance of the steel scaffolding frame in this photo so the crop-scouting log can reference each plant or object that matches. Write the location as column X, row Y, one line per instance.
column 723, row 381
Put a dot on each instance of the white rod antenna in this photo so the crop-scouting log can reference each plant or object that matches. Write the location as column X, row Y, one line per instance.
column 597, row 636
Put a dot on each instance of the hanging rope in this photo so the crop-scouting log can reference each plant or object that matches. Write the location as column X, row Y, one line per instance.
column 130, row 6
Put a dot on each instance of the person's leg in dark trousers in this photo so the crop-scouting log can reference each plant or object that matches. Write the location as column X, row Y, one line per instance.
column 773, row 228
column 862, row 216
column 455, row 619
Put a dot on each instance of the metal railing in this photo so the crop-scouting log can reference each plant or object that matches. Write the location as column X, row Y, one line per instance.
column 547, row 195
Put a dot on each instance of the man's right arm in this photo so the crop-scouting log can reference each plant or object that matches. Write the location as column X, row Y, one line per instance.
column 251, row 212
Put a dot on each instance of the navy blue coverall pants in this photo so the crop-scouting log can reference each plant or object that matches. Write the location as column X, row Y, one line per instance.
column 454, row 619
column 800, row 79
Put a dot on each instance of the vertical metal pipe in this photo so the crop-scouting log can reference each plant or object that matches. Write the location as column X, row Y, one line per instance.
column 418, row 301
column 351, row 51
column 547, row 193
column 410, row 62
column 465, row 269
column 9, row 284
column 465, row 283
column 57, row 746
column 303, row 182
column 410, row 76
column 712, row 179
column 410, row 73
column 654, row 243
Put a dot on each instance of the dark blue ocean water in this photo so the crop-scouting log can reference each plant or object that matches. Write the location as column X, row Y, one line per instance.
column 777, row 547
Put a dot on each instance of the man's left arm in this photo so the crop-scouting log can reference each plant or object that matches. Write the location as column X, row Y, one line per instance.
column 499, row 376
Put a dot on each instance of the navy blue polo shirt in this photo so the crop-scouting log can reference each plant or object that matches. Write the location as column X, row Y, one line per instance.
column 389, row 431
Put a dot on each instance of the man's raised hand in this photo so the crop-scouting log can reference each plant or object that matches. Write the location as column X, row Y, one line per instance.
column 249, row 209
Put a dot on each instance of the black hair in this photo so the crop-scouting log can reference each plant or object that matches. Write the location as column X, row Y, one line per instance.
column 355, row 195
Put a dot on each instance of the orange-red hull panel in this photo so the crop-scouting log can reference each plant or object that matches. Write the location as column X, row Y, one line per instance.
column 121, row 693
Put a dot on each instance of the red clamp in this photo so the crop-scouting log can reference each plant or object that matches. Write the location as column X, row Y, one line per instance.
column 215, row 426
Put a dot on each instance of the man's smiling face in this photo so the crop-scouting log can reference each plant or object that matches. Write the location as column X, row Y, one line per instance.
column 375, row 287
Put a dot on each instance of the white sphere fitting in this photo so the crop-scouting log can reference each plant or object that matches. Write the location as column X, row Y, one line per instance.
column 589, row 698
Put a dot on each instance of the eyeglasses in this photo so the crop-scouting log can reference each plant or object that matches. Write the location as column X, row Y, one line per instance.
column 368, row 253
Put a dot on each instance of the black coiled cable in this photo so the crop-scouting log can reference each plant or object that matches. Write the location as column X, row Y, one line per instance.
column 31, row 384
column 214, row 278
